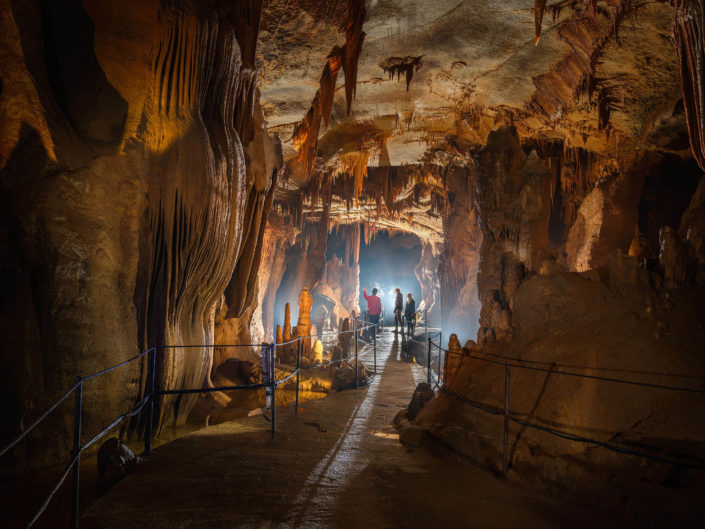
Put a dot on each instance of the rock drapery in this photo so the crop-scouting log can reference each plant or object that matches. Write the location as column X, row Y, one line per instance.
column 550, row 182
column 147, row 172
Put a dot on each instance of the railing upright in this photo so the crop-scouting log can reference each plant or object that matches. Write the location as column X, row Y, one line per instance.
column 298, row 373
column 77, row 417
column 428, row 361
column 357, row 385
column 150, row 414
column 425, row 320
column 374, row 346
column 505, row 447
column 440, row 353
column 272, row 356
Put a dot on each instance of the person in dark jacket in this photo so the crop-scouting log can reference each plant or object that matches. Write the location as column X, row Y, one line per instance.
column 410, row 313
column 398, row 308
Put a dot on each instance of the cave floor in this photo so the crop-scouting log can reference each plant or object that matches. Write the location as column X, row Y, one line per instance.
column 339, row 464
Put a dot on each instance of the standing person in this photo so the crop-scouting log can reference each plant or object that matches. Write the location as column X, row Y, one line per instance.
column 398, row 308
column 410, row 313
column 374, row 307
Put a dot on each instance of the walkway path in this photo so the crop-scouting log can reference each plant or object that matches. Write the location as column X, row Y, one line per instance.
column 355, row 474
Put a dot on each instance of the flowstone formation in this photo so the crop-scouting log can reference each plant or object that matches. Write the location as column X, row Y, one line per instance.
column 547, row 156
column 137, row 173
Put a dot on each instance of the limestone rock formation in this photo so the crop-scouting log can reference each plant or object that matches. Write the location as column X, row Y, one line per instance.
column 137, row 172
column 303, row 324
column 115, row 461
column 422, row 394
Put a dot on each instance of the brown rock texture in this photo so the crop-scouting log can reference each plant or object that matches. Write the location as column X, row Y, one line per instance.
column 137, row 173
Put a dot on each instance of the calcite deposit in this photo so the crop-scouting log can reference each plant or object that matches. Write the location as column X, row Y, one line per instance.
column 185, row 174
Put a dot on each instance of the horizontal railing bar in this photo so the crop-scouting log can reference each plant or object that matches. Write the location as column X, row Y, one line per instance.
column 570, row 436
column 594, row 368
column 40, row 419
column 117, row 365
column 134, row 411
column 209, row 346
column 209, row 390
column 282, row 381
column 614, row 448
column 579, row 375
column 51, row 494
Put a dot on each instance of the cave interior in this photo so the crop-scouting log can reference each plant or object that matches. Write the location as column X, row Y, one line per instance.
column 198, row 191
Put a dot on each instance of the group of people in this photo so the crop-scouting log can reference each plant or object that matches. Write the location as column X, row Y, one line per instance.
column 374, row 307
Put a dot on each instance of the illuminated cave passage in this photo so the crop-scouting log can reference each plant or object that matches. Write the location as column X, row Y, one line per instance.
column 196, row 191
column 388, row 263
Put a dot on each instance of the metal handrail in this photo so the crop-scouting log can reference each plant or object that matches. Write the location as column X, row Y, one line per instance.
column 568, row 373
column 509, row 416
column 77, row 391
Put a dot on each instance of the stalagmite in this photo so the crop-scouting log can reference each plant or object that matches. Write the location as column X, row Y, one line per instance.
column 453, row 359
column 287, row 323
column 318, row 351
column 303, row 325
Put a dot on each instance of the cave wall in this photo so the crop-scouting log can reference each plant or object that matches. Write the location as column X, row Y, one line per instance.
column 513, row 199
column 574, row 300
column 459, row 261
column 427, row 273
column 136, row 176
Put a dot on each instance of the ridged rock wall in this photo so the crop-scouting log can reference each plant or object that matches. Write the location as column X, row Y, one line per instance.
column 136, row 176
column 459, row 261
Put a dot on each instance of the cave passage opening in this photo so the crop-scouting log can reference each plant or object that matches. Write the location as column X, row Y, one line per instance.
column 387, row 262
column 384, row 261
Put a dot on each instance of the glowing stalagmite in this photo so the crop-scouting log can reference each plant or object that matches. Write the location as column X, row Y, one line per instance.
column 287, row 323
column 303, row 325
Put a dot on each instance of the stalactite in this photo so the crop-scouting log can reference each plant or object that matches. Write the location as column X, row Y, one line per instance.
column 328, row 80
column 354, row 37
column 305, row 137
column 539, row 8
column 689, row 39
column 354, row 165
column 587, row 38
column 397, row 65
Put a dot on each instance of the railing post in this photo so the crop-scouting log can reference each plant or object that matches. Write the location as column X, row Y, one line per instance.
column 356, row 377
column 505, row 448
column 374, row 348
column 425, row 320
column 440, row 353
column 152, row 357
column 428, row 361
column 78, row 404
column 272, row 356
column 298, row 373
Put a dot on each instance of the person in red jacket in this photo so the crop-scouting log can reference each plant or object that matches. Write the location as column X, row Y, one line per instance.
column 374, row 306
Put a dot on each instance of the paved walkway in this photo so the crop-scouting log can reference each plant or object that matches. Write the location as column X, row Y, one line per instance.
column 355, row 474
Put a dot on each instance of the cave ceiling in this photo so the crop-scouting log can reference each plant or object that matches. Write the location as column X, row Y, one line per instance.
column 430, row 75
